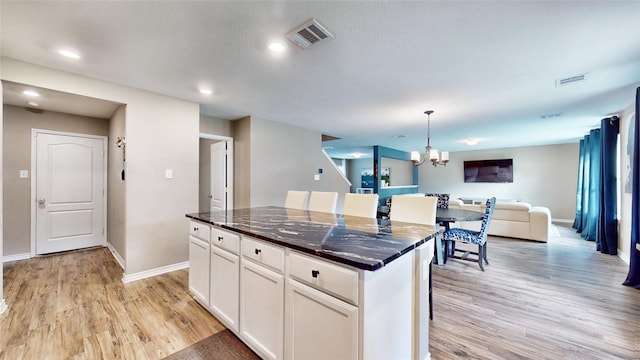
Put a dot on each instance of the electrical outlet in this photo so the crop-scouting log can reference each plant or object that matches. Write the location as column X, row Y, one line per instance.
column 24, row 174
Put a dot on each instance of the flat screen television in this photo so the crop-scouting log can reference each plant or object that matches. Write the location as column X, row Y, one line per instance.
column 488, row 171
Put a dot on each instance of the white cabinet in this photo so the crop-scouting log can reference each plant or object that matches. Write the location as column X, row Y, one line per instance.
column 262, row 298
column 319, row 326
column 199, row 261
column 225, row 287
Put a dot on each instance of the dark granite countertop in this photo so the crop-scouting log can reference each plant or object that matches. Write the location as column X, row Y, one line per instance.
column 367, row 244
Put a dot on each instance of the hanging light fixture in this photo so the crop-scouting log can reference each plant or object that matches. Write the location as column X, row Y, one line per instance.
column 432, row 154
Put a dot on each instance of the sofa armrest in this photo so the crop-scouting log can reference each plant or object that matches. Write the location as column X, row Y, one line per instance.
column 455, row 203
column 540, row 222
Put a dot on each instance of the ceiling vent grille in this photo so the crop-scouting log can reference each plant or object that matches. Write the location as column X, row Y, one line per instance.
column 310, row 34
column 571, row 80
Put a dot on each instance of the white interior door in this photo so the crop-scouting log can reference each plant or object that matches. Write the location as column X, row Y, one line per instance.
column 70, row 192
column 219, row 176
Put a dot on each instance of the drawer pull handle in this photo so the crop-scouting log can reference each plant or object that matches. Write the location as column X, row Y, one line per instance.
column 195, row 229
column 315, row 273
column 258, row 251
column 220, row 238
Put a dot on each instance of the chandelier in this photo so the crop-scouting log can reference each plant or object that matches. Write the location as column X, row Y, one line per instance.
column 430, row 153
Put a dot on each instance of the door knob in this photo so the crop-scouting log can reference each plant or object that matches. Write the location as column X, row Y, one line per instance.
column 41, row 201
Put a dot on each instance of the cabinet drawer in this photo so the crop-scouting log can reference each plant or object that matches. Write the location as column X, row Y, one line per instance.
column 333, row 279
column 225, row 239
column 263, row 253
column 200, row 230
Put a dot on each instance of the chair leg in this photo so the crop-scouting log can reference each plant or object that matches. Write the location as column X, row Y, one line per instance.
column 480, row 256
column 484, row 252
column 430, row 291
column 446, row 250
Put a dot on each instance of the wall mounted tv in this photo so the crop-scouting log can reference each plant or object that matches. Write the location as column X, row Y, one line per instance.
column 488, row 171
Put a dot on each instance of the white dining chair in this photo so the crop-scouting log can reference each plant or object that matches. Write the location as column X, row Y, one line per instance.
column 414, row 209
column 296, row 199
column 323, row 201
column 363, row 205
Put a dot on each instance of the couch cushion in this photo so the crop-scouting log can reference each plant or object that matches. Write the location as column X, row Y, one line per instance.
column 509, row 211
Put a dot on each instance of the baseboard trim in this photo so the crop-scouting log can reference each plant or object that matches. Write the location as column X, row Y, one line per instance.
column 562, row 221
column 116, row 255
column 3, row 306
column 16, row 257
column 126, row 278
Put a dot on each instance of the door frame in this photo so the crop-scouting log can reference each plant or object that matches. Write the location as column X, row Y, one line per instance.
column 230, row 186
column 33, row 197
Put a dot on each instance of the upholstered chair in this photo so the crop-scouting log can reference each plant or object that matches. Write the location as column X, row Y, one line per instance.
column 363, row 205
column 322, row 201
column 296, row 200
column 443, row 200
column 472, row 237
column 414, row 209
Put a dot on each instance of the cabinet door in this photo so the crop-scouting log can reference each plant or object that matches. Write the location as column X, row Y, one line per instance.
column 225, row 287
column 319, row 326
column 199, row 269
column 262, row 310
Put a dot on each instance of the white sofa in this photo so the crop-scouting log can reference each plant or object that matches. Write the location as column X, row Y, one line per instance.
column 511, row 219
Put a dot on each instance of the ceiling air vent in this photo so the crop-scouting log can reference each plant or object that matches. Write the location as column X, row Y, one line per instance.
column 309, row 34
column 571, row 80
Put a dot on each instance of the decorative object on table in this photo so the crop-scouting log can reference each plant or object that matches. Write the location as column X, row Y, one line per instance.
column 472, row 237
column 430, row 153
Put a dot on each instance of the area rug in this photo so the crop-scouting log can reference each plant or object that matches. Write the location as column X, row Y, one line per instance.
column 220, row 346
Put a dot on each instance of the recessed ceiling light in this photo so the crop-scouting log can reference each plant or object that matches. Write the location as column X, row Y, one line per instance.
column 68, row 53
column 471, row 141
column 34, row 104
column 31, row 93
column 356, row 155
column 206, row 91
column 277, row 47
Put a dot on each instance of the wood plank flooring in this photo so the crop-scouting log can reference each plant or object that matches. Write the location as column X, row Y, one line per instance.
column 74, row 306
column 560, row 300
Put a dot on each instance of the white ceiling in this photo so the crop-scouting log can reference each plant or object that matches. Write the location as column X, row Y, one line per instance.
column 488, row 69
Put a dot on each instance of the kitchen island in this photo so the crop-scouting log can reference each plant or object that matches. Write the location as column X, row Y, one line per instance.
column 295, row 284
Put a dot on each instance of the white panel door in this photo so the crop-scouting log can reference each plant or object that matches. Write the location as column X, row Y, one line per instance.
column 70, row 183
column 219, row 176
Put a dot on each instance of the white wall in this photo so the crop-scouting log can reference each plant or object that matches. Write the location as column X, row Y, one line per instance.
column 624, row 225
column 285, row 157
column 162, row 133
column 2, row 301
column 116, row 188
column 542, row 176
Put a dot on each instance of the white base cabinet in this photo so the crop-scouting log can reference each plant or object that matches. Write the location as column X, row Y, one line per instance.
column 225, row 287
column 319, row 326
column 285, row 304
column 262, row 310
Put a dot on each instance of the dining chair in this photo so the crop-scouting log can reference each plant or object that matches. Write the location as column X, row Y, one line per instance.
column 419, row 210
column 296, row 199
column 443, row 200
column 472, row 237
column 414, row 209
column 323, row 201
column 363, row 205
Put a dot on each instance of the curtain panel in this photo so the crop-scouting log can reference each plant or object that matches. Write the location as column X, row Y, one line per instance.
column 607, row 230
column 589, row 186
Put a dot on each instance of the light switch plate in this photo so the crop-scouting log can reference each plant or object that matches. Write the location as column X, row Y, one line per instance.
column 24, row 174
column 316, row 177
column 168, row 173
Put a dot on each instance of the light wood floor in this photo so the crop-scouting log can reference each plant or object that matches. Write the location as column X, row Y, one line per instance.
column 75, row 306
column 560, row 300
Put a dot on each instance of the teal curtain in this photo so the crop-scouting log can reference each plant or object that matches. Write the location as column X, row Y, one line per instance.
column 607, row 236
column 588, row 190
column 633, row 277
